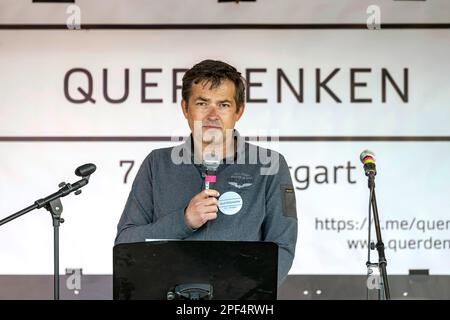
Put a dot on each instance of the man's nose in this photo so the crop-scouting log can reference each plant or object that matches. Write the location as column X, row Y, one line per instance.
column 213, row 113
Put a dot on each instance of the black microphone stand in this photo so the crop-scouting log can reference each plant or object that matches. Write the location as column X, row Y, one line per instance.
column 53, row 204
column 370, row 172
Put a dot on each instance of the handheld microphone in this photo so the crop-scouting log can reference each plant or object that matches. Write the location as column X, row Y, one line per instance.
column 367, row 157
column 210, row 164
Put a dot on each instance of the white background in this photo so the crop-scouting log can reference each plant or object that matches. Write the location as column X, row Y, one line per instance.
column 412, row 180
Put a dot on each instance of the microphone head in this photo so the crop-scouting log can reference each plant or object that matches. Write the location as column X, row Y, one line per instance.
column 367, row 156
column 211, row 162
column 85, row 170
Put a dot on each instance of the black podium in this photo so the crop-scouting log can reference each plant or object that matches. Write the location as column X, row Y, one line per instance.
column 195, row 270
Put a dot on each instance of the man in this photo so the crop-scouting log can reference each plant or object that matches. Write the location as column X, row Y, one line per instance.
column 168, row 199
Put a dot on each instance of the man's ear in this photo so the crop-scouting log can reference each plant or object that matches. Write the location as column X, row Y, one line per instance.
column 184, row 107
column 240, row 112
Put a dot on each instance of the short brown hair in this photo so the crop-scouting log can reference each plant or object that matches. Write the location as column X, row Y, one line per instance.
column 214, row 72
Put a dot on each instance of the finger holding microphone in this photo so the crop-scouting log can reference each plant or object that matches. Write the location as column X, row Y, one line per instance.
column 202, row 208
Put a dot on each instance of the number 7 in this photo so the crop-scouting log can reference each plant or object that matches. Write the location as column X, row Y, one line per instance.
column 131, row 163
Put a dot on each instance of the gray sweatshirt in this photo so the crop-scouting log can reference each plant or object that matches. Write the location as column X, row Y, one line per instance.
column 169, row 178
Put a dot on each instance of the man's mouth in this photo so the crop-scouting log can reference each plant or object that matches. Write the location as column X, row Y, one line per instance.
column 211, row 127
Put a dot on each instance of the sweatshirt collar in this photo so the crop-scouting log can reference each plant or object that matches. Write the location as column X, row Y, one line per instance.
column 238, row 141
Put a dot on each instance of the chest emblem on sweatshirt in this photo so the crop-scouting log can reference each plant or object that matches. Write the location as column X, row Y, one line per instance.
column 230, row 203
column 240, row 180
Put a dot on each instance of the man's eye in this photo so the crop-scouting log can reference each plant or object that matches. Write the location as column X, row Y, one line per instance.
column 201, row 104
column 224, row 105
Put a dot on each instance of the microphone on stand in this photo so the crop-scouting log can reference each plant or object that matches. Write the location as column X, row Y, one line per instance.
column 53, row 204
column 367, row 157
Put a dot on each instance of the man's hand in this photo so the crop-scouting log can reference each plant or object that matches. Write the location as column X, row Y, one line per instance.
column 201, row 208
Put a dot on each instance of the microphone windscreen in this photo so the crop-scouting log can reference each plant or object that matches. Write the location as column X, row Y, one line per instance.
column 85, row 170
column 367, row 156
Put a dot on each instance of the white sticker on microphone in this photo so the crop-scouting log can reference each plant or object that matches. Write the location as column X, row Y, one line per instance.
column 230, row 203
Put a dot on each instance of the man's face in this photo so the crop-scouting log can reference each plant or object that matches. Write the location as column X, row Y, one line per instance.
column 211, row 113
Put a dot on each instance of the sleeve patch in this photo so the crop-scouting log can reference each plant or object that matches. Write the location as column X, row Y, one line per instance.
column 288, row 201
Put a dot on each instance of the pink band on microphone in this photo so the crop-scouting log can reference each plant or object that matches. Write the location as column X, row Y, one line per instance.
column 210, row 179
